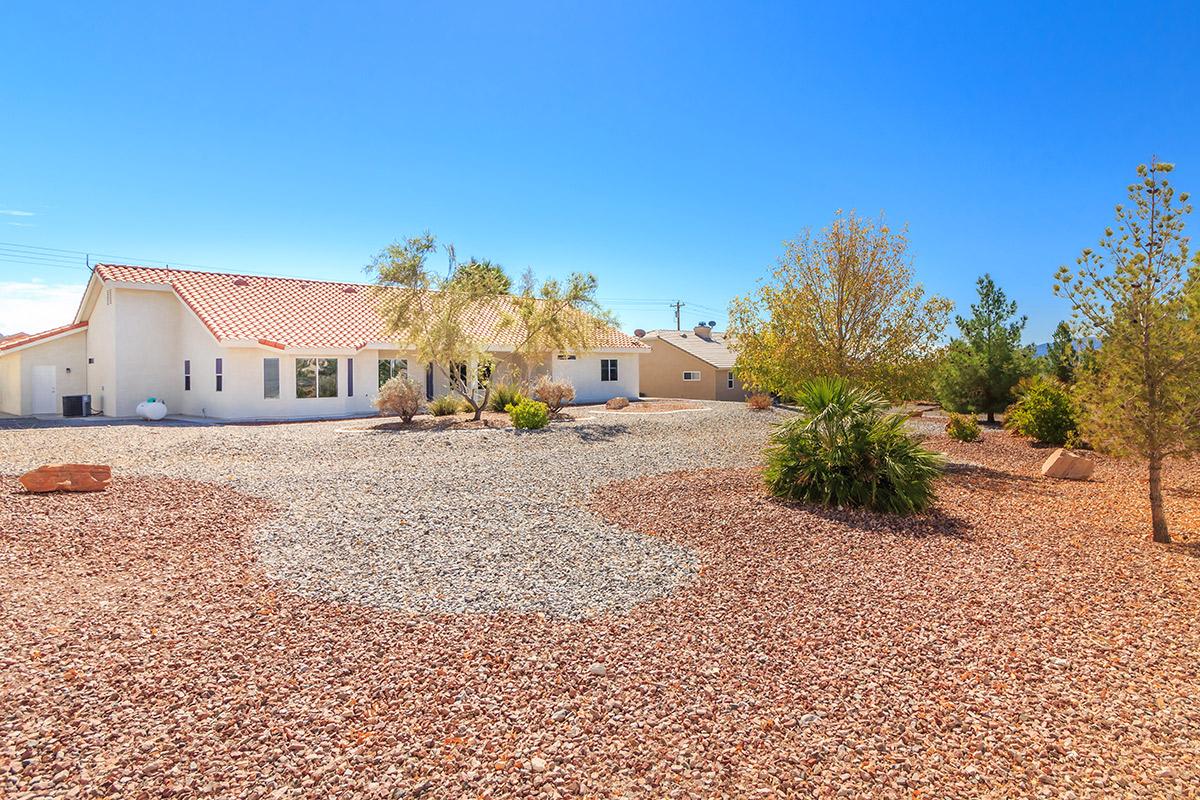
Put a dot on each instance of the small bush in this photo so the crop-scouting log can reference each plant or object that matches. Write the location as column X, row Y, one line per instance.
column 504, row 395
column 617, row 403
column 759, row 401
column 845, row 449
column 445, row 405
column 1044, row 411
column 529, row 414
column 963, row 427
column 555, row 394
column 400, row 397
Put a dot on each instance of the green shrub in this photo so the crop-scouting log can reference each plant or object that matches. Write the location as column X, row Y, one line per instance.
column 963, row 427
column 400, row 397
column 1044, row 411
column 445, row 405
column 504, row 395
column 845, row 449
column 529, row 414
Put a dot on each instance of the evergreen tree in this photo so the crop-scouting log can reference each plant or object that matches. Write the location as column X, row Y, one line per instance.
column 981, row 368
column 1139, row 295
column 1061, row 357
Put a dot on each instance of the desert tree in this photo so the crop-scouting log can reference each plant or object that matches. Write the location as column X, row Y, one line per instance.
column 554, row 316
column 840, row 302
column 1138, row 295
column 433, row 314
column 979, row 370
column 477, row 269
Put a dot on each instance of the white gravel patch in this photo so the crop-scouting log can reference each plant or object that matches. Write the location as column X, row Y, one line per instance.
column 438, row 521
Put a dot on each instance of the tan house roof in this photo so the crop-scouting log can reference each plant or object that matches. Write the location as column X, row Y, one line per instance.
column 712, row 349
column 301, row 313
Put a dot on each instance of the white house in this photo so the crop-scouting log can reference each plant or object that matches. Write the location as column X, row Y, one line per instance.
column 248, row 347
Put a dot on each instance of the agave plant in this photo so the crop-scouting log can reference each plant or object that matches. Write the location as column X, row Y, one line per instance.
column 845, row 449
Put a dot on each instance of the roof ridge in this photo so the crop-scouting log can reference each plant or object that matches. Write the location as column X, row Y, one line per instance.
column 234, row 274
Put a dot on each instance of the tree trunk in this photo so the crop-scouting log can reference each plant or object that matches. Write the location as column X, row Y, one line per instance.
column 991, row 417
column 1157, row 515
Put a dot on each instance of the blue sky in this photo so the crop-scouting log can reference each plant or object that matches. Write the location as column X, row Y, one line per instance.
column 667, row 147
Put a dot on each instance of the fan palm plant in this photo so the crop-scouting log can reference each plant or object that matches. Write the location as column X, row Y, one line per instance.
column 845, row 449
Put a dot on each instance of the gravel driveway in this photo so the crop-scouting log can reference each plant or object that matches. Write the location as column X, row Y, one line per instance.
column 477, row 521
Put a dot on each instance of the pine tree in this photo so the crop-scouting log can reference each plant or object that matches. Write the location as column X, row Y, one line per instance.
column 980, row 369
column 1061, row 357
column 1139, row 295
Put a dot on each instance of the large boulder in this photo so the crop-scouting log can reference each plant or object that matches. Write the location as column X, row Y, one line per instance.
column 67, row 478
column 1064, row 464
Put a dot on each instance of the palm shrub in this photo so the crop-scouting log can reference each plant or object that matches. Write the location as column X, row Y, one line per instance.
column 1044, row 411
column 503, row 396
column 963, row 427
column 845, row 449
column 400, row 397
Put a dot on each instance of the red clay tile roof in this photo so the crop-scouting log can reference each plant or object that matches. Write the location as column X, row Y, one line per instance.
column 22, row 339
column 295, row 312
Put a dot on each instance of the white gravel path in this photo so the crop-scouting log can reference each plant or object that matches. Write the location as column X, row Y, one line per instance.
column 458, row 521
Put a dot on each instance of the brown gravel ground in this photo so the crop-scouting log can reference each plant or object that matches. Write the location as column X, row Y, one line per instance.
column 1022, row 640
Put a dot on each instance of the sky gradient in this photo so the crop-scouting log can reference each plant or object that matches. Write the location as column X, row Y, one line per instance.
column 668, row 147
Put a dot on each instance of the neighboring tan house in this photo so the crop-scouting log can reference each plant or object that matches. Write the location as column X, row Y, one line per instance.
column 695, row 364
column 249, row 347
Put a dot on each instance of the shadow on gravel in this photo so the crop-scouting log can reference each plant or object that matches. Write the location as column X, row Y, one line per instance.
column 597, row 432
column 989, row 479
column 935, row 523
column 1189, row 549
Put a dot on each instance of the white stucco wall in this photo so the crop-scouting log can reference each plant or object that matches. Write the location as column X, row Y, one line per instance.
column 67, row 354
column 102, row 352
column 10, row 383
column 147, row 354
column 584, row 373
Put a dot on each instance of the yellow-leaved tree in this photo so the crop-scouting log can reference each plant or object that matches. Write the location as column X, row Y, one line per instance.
column 841, row 302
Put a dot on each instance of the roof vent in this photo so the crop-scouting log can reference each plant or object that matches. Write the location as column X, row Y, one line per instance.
column 240, row 282
column 349, row 289
column 639, row 333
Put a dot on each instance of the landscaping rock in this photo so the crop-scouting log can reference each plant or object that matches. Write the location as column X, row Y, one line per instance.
column 67, row 478
column 617, row 403
column 1062, row 464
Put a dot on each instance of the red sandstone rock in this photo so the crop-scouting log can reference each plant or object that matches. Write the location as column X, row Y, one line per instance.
column 1062, row 464
column 67, row 478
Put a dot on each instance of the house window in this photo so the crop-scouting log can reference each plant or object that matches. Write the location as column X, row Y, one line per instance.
column 392, row 368
column 565, row 357
column 270, row 378
column 461, row 371
column 691, row 376
column 220, row 374
column 187, row 375
column 349, row 377
column 729, row 381
column 608, row 369
column 316, row 377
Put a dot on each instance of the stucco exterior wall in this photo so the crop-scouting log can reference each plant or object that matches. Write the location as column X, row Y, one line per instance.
column 68, row 356
column 147, row 354
column 662, row 373
column 102, row 352
column 738, row 392
column 584, row 374
column 10, row 383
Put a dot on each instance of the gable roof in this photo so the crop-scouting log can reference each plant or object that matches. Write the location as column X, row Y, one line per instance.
column 18, row 340
column 302, row 313
column 712, row 350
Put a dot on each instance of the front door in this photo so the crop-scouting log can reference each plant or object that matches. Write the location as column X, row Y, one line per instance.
column 45, row 389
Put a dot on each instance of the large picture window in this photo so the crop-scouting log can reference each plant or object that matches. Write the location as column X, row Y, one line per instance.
column 608, row 369
column 271, row 378
column 316, row 377
column 392, row 368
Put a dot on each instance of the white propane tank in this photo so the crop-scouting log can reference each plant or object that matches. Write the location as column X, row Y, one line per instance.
column 152, row 409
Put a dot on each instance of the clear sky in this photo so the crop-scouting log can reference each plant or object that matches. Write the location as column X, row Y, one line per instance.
column 667, row 147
